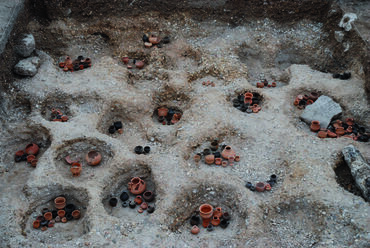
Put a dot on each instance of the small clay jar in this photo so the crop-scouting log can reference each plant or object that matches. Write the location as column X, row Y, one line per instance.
column 214, row 145
column 76, row 214
column 113, row 202
column 61, row 213
column 309, row 102
column 273, row 84
column 206, row 211
column 34, row 162
column 340, row 131
column 154, row 39
column 227, row 152
column 64, row 220
column 260, row 85
column 231, row 160
column 224, row 223
column 146, row 149
column 215, row 221
column 125, row 60
column 124, row 196
column 237, row 158
column 267, row 187
column 337, row 124
column 197, row 158
column 296, row 102
column 60, row 202
column 132, row 204
column 226, row 216
column 93, row 158
column 210, row 228
column 148, row 44
column 218, row 161
column 209, row 159
column 260, row 187
column 36, row 224
column 194, row 220
column 136, row 186
column 322, row 134
column 218, row 212
column 144, row 206
column 32, row 149
column 206, row 152
column 140, row 64
column 331, row 134
column 139, row 149
column 76, row 169
column 124, row 204
column 48, row 216
column 148, row 196
column 162, row 111
column 224, row 163
column 138, row 200
column 30, row 158
column 195, row 230
column 315, row 126
column 273, row 178
column 350, row 121
column 150, row 209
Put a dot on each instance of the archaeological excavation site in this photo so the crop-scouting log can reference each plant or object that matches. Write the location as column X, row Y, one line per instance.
column 195, row 123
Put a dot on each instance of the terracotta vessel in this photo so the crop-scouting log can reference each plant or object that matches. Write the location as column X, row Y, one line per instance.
column 136, row 186
column 140, row 64
column 340, row 131
column 206, row 222
column 218, row 161
column 218, row 212
column 331, row 134
column 197, row 158
column 138, row 200
column 350, row 121
column 231, row 160
column 162, row 111
column 125, row 60
column 227, row 152
column 237, row 158
column 224, row 163
column 260, row 187
column 309, row 102
column 154, row 39
column 64, row 118
column 148, row 44
column 32, row 149
column 296, row 102
column 48, row 216
column 260, row 85
column 337, row 124
column 61, row 213
column 30, row 158
column 315, row 126
column 195, row 230
column 148, row 196
column 273, row 84
column 209, row 159
column 322, row 134
column 144, row 206
column 267, row 187
column 76, row 214
column 76, row 169
column 60, row 202
column 93, row 158
column 36, row 224
column 349, row 129
column 313, row 96
column 215, row 221
column 226, row 216
column 34, row 162
column 62, row 64
column 206, row 211
column 64, row 220
column 68, row 60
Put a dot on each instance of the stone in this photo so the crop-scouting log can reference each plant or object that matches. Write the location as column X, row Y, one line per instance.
column 324, row 109
column 25, row 46
column 339, row 35
column 360, row 169
column 347, row 20
column 27, row 67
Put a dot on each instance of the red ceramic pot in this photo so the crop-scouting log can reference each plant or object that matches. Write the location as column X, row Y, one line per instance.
column 36, row 224
column 260, row 187
column 48, row 216
column 76, row 214
column 331, row 134
column 93, row 158
column 136, row 186
column 60, row 202
column 237, row 158
column 30, row 158
column 218, row 161
column 154, row 39
column 215, row 221
column 19, row 153
column 260, row 85
column 32, row 149
column 315, row 126
column 227, row 152
column 206, row 211
column 197, row 158
column 340, row 131
column 34, row 162
column 195, row 230
column 138, row 200
column 218, row 212
column 273, row 84
column 162, row 111
column 209, row 159
column 140, row 64
column 322, row 134
column 350, row 121
column 267, row 187
column 125, row 60
column 61, row 213
column 76, row 169
column 224, row 163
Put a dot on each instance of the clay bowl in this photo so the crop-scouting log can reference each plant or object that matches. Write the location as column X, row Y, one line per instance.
column 93, row 158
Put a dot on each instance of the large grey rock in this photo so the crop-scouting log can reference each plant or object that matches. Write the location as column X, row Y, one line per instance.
column 323, row 110
column 25, row 46
column 360, row 170
column 27, row 67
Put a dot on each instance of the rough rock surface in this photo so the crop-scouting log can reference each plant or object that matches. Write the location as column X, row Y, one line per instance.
column 360, row 170
column 25, row 46
column 27, row 67
column 323, row 110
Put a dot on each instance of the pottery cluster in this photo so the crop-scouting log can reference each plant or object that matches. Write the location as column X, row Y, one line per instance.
column 92, row 158
column 343, row 76
column 75, row 65
column 265, row 83
column 28, row 154
column 130, row 63
column 263, row 186
column 116, row 126
column 142, row 197
column 209, row 217
column 62, row 212
column 208, row 83
column 152, row 40
column 142, row 150
column 248, row 102
column 217, row 154
column 168, row 116
column 57, row 115
column 338, row 128
column 302, row 100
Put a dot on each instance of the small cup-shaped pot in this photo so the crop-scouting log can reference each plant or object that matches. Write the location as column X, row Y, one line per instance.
column 260, row 85
column 218, row 212
column 140, row 64
column 224, row 163
column 206, row 222
column 296, row 102
column 226, row 216
column 48, row 216
column 315, row 126
column 215, row 221
column 36, row 224
column 132, row 204
column 195, row 230
column 313, row 96
column 60, row 202
column 125, row 60
column 209, row 159
column 124, row 196
column 218, row 161
column 206, row 211
column 337, row 123
column 260, row 187
column 340, row 131
column 273, row 84
column 237, row 158
column 154, row 39
column 34, row 162
column 138, row 200
column 76, row 214
column 227, row 152
column 350, row 121
column 144, row 206
column 136, row 186
column 61, row 213
column 148, row 196
column 231, row 160
column 30, row 158
column 93, row 158
column 197, row 158
column 267, row 187
column 76, row 169
column 162, row 111
column 64, row 220
column 113, row 202
column 151, row 209
column 32, row 149
column 214, row 145
column 224, row 223
column 331, row 134
column 210, row 227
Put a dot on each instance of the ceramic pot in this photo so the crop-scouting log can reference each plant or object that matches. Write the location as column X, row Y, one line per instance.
column 148, row 196
column 273, row 178
column 210, row 228
column 237, row 158
column 228, row 152
column 267, row 187
column 64, row 220
column 331, row 134
column 32, row 149
column 57, row 219
column 93, row 158
column 132, row 204
column 139, row 150
column 309, row 102
column 124, row 204
column 76, row 214
column 30, row 158
column 218, row 161
column 19, row 153
column 206, row 211
column 206, row 152
column 231, row 160
column 194, row 220
column 124, row 196
column 62, row 65
column 125, row 60
column 209, row 159
column 34, row 162
column 144, row 206
column 146, row 149
column 162, row 111
column 61, row 213
column 260, row 85
column 337, row 124
column 260, row 187
column 224, row 163
column 226, row 216
column 340, row 131
column 60, row 202
column 69, row 208
column 218, row 212
column 313, row 96
column 215, row 221
column 296, row 102
column 322, row 134
column 113, row 202
column 64, row 118
column 76, row 169
column 350, row 121
column 195, row 230
column 148, row 44
column 273, row 84
column 140, row 64
column 197, row 158
column 36, row 224
column 154, row 39
column 224, row 223
column 150, row 209
column 48, row 216
column 140, row 210
column 206, row 222
column 138, row 200
column 136, row 186
column 315, row 126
